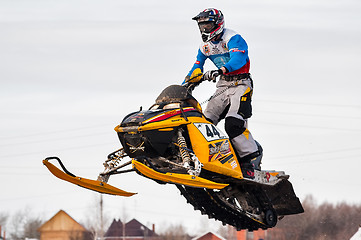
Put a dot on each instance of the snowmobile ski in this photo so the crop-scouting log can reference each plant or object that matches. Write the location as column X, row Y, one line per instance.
column 95, row 185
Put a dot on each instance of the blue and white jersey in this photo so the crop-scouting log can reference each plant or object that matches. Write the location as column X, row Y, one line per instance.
column 230, row 52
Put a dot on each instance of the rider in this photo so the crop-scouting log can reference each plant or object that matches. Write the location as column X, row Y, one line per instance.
column 232, row 99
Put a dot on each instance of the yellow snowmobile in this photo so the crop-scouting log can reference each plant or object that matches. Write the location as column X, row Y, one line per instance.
column 172, row 142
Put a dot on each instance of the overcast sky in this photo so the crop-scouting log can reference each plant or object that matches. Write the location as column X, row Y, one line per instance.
column 70, row 71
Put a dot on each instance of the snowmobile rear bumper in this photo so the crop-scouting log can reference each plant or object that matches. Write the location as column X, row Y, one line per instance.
column 94, row 185
column 177, row 178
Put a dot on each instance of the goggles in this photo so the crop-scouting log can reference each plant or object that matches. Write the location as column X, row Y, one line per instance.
column 206, row 27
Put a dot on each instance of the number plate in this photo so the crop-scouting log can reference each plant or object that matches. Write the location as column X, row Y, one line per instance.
column 210, row 132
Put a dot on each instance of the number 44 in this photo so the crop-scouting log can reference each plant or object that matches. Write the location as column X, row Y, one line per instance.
column 212, row 131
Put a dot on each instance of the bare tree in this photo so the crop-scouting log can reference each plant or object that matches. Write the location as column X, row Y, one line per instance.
column 175, row 232
column 24, row 224
column 97, row 220
column 3, row 218
column 17, row 222
column 31, row 227
column 325, row 221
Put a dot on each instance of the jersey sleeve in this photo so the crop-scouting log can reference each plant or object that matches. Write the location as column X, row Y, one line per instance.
column 238, row 52
column 201, row 58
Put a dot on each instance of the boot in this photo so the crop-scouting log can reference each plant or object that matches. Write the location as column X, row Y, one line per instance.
column 247, row 170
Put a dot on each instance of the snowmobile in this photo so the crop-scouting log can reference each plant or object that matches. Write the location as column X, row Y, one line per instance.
column 173, row 143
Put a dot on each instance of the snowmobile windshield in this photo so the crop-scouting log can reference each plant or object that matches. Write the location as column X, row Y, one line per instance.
column 167, row 106
column 173, row 93
column 175, row 96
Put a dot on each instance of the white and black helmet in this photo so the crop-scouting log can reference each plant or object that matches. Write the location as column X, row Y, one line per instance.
column 210, row 23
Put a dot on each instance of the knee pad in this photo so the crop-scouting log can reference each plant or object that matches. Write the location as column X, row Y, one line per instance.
column 245, row 106
column 234, row 127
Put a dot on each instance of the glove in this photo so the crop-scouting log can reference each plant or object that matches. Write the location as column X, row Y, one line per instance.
column 196, row 76
column 186, row 83
column 212, row 74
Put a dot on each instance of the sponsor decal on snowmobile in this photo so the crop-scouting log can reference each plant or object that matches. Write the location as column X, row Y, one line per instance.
column 221, row 151
column 139, row 147
column 167, row 115
column 219, row 148
column 268, row 176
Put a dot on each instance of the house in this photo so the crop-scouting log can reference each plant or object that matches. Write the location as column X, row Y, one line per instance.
column 357, row 235
column 63, row 227
column 131, row 230
column 271, row 233
column 115, row 229
column 255, row 235
column 209, row 236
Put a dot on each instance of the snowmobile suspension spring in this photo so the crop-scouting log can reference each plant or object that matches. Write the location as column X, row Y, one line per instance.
column 182, row 146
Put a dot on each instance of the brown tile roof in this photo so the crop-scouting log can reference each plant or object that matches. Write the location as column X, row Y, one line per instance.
column 115, row 229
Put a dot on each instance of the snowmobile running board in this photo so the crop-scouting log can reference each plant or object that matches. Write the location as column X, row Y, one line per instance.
column 183, row 179
column 94, row 185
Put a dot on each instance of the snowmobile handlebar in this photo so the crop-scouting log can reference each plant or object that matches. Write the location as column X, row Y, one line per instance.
column 192, row 85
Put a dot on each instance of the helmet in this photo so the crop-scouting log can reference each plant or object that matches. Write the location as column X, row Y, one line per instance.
column 210, row 23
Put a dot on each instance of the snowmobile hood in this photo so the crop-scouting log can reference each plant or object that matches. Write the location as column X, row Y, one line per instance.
column 137, row 118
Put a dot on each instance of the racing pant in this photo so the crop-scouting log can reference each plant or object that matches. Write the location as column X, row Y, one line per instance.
column 232, row 102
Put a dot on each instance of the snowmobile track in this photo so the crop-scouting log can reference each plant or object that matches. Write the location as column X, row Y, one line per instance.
column 208, row 203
